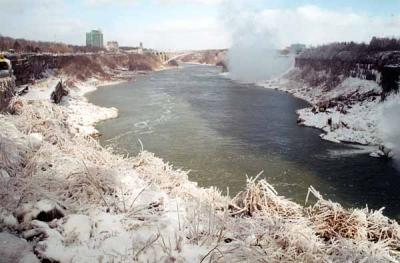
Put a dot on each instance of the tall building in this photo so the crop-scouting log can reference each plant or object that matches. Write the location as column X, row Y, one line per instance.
column 94, row 38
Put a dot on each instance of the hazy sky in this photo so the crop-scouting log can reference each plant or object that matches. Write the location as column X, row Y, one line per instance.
column 199, row 24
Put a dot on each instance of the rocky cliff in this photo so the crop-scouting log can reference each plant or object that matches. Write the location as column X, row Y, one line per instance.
column 330, row 66
column 347, row 84
column 210, row 57
column 28, row 67
column 6, row 92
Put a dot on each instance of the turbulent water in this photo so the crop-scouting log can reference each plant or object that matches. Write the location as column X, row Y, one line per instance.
column 222, row 130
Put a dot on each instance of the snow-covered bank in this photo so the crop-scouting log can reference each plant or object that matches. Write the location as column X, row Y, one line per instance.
column 75, row 201
column 81, row 115
column 349, row 112
column 198, row 64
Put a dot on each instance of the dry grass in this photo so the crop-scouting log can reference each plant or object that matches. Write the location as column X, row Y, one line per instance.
column 257, row 225
column 261, row 197
column 332, row 221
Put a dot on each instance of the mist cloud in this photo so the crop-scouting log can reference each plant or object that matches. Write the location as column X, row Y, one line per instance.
column 389, row 125
column 253, row 55
column 256, row 31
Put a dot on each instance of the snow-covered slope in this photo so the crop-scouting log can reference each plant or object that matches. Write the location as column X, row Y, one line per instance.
column 348, row 112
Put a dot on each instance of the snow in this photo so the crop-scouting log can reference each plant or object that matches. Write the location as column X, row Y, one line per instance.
column 7, row 219
column 30, row 211
column 77, row 228
column 15, row 249
column 357, row 125
column 42, row 89
column 360, row 123
column 82, row 115
column 35, row 140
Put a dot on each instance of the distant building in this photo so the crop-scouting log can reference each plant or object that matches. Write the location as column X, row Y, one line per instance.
column 137, row 50
column 112, row 46
column 94, row 38
column 140, row 50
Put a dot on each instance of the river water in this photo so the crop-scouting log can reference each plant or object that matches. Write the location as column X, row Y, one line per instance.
column 222, row 130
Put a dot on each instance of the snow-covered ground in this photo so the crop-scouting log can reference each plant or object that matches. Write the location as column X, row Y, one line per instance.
column 354, row 120
column 67, row 199
column 81, row 115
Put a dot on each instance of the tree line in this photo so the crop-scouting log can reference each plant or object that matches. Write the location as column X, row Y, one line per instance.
column 352, row 48
column 29, row 46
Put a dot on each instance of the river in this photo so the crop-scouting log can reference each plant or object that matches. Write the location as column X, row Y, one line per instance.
column 222, row 130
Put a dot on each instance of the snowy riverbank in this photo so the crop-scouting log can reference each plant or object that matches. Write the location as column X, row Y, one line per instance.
column 67, row 199
column 349, row 112
column 81, row 115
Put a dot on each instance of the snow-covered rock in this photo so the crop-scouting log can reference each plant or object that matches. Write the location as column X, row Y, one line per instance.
column 7, row 219
column 43, row 210
column 14, row 249
column 77, row 228
column 35, row 140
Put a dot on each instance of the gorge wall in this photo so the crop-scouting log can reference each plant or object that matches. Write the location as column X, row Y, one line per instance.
column 28, row 67
column 328, row 69
column 349, row 86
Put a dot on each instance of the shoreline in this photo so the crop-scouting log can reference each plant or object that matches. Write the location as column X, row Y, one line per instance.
column 132, row 78
column 345, row 134
column 142, row 209
column 346, row 127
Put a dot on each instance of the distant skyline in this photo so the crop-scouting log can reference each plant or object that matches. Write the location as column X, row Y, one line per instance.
column 198, row 24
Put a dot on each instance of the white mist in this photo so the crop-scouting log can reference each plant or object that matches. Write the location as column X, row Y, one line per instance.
column 253, row 55
column 389, row 125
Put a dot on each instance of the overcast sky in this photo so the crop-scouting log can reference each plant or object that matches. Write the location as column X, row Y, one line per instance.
column 199, row 24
